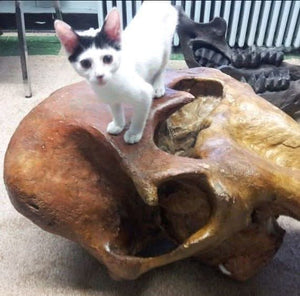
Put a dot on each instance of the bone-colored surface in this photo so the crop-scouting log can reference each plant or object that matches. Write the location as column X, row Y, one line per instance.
column 34, row 262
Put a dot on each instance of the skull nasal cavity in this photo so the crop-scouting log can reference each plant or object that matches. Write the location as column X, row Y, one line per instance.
column 185, row 208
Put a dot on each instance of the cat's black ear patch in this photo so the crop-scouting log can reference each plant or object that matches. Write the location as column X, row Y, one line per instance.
column 84, row 42
column 102, row 40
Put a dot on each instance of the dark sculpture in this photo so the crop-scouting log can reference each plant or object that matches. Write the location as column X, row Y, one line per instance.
column 210, row 179
column 204, row 45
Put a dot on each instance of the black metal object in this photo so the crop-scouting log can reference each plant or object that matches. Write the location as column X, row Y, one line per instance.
column 204, row 45
column 20, row 24
column 23, row 49
column 58, row 9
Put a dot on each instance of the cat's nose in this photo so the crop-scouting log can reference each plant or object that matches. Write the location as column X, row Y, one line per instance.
column 100, row 79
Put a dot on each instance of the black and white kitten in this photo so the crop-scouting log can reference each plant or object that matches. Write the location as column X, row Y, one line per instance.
column 125, row 67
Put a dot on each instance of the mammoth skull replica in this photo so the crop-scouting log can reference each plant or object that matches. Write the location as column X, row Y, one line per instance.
column 216, row 166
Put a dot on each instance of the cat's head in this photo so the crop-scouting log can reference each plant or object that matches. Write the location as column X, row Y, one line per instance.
column 95, row 54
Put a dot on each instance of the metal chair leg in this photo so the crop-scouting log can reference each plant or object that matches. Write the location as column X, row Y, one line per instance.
column 57, row 10
column 23, row 49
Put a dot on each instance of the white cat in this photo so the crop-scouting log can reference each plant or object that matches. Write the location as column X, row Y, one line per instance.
column 125, row 67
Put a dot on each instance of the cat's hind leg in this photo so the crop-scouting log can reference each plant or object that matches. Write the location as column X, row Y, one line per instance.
column 117, row 125
column 159, row 85
column 159, row 79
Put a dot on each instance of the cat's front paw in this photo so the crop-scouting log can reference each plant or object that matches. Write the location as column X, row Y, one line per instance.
column 114, row 129
column 159, row 92
column 131, row 138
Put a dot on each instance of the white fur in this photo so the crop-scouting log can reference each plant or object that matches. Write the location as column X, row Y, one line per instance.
column 136, row 74
column 98, row 67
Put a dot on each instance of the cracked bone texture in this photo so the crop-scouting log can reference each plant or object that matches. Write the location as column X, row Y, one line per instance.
column 216, row 166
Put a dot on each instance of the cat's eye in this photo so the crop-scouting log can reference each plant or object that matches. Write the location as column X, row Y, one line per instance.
column 86, row 63
column 107, row 59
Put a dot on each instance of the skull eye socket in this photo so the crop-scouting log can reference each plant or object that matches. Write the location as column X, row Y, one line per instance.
column 86, row 63
column 107, row 59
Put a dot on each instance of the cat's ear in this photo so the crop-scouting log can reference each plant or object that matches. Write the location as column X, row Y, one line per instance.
column 112, row 25
column 66, row 35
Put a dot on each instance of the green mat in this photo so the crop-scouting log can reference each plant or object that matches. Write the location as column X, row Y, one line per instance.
column 50, row 45
column 37, row 45
column 177, row 56
column 41, row 45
